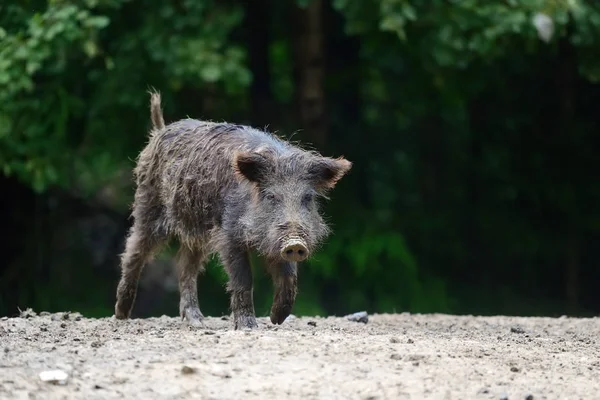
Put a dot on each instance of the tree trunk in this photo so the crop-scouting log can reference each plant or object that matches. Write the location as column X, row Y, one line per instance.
column 566, row 75
column 309, row 68
column 258, row 40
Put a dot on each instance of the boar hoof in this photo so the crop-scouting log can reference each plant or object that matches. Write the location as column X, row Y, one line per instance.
column 193, row 316
column 245, row 322
column 121, row 314
column 280, row 313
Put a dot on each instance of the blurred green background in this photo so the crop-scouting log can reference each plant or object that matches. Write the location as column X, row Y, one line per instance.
column 472, row 125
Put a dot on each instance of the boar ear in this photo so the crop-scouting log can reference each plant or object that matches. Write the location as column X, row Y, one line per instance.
column 251, row 166
column 326, row 172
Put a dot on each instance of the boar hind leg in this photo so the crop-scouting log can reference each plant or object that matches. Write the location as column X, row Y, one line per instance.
column 237, row 264
column 285, row 280
column 190, row 263
column 139, row 248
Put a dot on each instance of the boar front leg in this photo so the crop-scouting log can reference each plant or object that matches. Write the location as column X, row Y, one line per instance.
column 190, row 263
column 285, row 280
column 236, row 262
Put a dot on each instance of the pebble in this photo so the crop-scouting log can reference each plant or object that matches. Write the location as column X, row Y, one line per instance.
column 517, row 329
column 312, row 323
column 187, row 370
column 361, row 316
column 56, row 377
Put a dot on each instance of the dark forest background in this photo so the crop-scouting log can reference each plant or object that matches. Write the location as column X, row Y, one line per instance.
column 473, row 126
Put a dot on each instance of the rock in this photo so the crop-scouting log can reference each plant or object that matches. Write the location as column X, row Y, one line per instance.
column 224, row 318
column 503, row 396
column 312, row 323
column 187, row 370
column 361, row 316
column 394, row 340
column 56, row 377
column 396, row 356
column 514, row 369
column 517, row 329
column 529, row 397
column 410, row 341
column 28, row 313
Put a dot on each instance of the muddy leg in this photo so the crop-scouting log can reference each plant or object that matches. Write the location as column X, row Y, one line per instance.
column 139, row 248
column 285, row 279
column 237, row 264
column 189, row 265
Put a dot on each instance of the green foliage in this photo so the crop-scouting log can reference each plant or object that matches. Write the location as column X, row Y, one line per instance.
column 57, row 67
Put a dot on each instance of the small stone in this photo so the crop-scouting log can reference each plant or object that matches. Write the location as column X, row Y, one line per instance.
column 63, row 325
column 529, row 397
column 209, row 332
column 44, row 314
column 96, row 344
column 28, row 313
column 96, row 386
column 396, row 356
column 503, row 396
column 410, row 341
column 56, row 377
column 224, row 318
column 312, row 323
column 514, row 369
column 4, row 319
column 187, row 370
column 517, row 329
column 361, row 316
column 394, row 340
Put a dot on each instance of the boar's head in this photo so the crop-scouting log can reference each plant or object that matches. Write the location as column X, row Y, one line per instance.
column 283, row 219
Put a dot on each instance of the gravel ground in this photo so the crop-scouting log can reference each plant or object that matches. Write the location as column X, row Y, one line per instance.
column 400, row 356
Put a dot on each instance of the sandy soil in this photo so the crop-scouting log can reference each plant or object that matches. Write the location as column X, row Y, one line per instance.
column 391, row 357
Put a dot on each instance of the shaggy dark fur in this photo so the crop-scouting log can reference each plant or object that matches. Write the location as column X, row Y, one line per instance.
column 225, row 188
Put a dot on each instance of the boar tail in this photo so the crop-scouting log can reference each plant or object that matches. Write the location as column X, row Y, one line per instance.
column 156, row 114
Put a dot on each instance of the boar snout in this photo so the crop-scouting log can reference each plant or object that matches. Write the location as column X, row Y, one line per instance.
column 294, row 250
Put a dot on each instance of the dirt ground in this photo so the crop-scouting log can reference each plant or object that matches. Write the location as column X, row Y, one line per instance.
column 391, row 357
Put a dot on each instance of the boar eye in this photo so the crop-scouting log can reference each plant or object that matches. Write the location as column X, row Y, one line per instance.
column 307, row 198
column 270, row 197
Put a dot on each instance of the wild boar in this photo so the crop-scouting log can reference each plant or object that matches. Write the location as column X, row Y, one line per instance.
column 225, row 188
